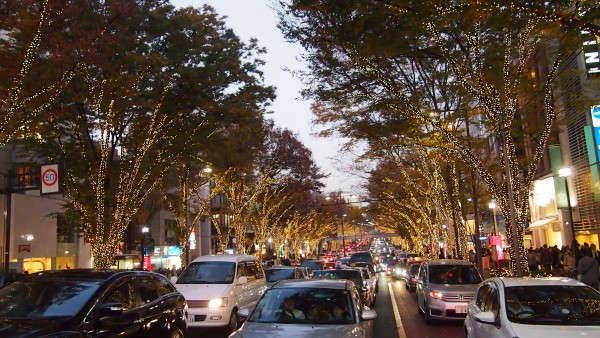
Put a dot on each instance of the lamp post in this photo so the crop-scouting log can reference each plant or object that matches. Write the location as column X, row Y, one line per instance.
column 492, row 206
column 145, row 230
column 565, row 173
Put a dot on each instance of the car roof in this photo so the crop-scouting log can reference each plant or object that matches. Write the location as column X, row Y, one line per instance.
column 540, row 281
column 281, row 267
column 447, row 262
column 97, row 274
column 312, row 283
column 225, row 258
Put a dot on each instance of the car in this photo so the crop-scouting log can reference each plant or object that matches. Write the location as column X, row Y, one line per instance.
column 11, row 277
column 92, row 303
column 353, row 275
column 361, row 257
column 324, row 308
column 371, row 283
column 398, row 271
column 533, row 307
column 371, row 268
column 410, row 276
column 216, row 286
column 277, row 273
column 444, row 288
column 313, row 264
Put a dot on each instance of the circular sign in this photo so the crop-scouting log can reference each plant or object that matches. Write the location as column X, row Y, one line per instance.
column 49, row 177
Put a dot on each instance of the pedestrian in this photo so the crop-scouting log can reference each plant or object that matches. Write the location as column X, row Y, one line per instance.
column 545, row 257
column 569, row 260
column 587, row 268
column 555, row 257
column 595, row 253
column 531, row 260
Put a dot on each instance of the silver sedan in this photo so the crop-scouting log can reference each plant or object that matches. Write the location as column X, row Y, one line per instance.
column 308, row 308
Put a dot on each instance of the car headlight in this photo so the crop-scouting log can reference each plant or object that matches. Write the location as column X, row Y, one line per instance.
column 218, row 302
column 436, row 295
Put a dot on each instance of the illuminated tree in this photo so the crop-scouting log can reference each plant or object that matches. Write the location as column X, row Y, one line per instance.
column 360, row 55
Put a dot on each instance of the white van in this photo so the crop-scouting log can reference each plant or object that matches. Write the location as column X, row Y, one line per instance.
column 216, row 286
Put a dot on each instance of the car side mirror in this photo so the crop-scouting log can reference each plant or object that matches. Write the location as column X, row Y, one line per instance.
column 243, row 280
column 244, row 312
column 368, row 315
column 110, row 309
column 486, row 317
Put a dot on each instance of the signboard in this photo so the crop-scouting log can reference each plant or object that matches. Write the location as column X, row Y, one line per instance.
column 591, row 53
column 50, row 179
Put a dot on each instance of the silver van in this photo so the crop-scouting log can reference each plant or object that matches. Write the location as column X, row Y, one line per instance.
column 445, row 287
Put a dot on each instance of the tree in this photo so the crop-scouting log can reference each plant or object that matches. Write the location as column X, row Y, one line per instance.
column 123, row 122
column 36, row 62
column 357, row 53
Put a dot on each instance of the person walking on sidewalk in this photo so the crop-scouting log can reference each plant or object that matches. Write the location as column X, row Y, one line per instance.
column 587, row 268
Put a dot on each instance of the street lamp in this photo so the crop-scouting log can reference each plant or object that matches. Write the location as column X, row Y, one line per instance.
column 492, row 206
column 145, row 230
column 564, row 173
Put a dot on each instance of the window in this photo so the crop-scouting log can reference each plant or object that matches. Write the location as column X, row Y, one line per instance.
column 124, row 295
column 482, row 296
column 164, row 286
column 147, row 290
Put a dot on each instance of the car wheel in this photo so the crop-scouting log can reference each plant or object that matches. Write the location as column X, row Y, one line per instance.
column 176, row 333
column 233, row 322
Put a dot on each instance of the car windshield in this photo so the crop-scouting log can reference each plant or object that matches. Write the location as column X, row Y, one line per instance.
column 453, row 274
column 274, row 275
column 314, row 265
column 46, row 297
column 353, row 275
column 553, row 305
column 304, row 305
column 208, row 273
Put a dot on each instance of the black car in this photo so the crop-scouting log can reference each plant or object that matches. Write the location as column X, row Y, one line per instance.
column 313, row 264
column 354, row 275
column 278, row 273
column 7, row 279
column 92, row 303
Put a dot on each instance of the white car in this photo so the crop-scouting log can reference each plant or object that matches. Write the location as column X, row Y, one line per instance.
column 308, row 308
column 216, row 286
column 533, row 307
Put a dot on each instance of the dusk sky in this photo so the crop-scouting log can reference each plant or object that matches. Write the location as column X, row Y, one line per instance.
column 256, row 19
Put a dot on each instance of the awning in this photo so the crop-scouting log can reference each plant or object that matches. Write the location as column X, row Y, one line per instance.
column 542, row 222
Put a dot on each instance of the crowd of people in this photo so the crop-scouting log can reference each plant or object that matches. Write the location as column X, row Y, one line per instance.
column 577, row 261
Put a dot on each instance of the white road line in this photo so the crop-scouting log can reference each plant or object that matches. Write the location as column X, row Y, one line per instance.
column 401, row 333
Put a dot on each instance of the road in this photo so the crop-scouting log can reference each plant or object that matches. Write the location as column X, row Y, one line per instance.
column 397, row 319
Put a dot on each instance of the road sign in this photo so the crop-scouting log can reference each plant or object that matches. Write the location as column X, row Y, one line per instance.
column 50, row 179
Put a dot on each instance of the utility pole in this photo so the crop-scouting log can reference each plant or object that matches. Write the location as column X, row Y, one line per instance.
column 8, row 191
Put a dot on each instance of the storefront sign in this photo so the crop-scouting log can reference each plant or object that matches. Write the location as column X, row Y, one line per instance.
column 591, row 53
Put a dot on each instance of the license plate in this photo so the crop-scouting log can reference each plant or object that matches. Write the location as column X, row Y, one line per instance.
column 191, row 318
column 460, row 309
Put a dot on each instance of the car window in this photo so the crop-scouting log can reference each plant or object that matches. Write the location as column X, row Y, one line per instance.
column 482, row 296
column 274, row 275
column 305, row 305
column 164, row 286
column 123, row 294
column 553, row 304
column 212, row 272
column 147, row 290
column 259, row 270
column 453, row 274
column 45, row 297
column 492, row 304
column 352, row 275
column 250, row 270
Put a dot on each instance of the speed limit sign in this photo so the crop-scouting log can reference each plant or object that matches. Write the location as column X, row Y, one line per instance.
column 50, row 179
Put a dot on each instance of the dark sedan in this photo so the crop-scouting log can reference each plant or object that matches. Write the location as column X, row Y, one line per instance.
column 278, row 273
column 92, row 303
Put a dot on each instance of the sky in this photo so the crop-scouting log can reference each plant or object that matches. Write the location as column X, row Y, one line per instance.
column 255, row 19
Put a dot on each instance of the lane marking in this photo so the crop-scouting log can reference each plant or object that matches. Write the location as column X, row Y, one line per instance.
column 399, row 326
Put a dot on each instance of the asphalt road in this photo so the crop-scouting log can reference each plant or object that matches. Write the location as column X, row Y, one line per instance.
column 397, row 319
